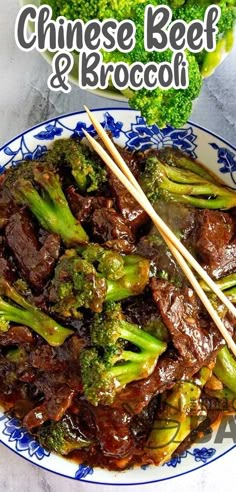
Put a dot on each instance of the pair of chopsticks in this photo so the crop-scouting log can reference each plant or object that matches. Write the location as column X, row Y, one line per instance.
column 119, row 167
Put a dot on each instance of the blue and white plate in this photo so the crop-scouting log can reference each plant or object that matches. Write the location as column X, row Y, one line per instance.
column 129, row 130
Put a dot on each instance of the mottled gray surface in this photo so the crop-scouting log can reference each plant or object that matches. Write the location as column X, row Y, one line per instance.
column 25, row 101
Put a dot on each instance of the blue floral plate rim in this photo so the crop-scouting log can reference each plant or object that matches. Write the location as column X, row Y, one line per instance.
column 103, row 109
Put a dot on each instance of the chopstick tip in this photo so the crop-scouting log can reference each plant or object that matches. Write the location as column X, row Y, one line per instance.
column 89, row 137
column 85, row 132
column 86, row 108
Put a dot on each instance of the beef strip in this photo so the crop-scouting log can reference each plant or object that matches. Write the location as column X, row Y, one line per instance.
column 132, row 212
column 180, row 312
column 135, row 396
column 44, row 358
column 52, row 409
column 7, row 206
column 17, row 335
column 113, row 431
column 58, row 380
column 215, row 242
column 110, row 228
column 182, row 220
column 84, row 206
column 36, row 263
column 141, row 309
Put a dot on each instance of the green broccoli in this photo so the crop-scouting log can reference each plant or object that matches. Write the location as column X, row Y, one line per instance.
column 17, row 355
column 15, row 308
column 38, row 186
column 89, row 10
column 74, row 10
column 63, row 436
column 191, row 11
column 86, row 167
column 180, row 184
column 109, row 365
column 227, row 284
column 225, row 369
column 163, row 107
column 77, row 283
column 180, row 413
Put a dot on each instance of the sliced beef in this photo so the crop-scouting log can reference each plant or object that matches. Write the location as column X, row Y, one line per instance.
column 135, row 396
column 162, row 261
column 181, row 220
column 52, row 408
column 180, row 312
column 7, row 206
column 3, row 251
column 113, row 431
column 84, row 206
column 36, row 262
column 132, row 212
column 216, row 243
column 17, row 335
column 45, row 358
column 141, row 309
column 110, row 228
column 142, row 423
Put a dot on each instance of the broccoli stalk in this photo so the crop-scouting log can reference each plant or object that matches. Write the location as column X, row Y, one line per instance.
column 180, row 413
column 77, row 283
column 49, row 205
column 109, row 365
column 227, row 284
column 24, row 313
column 225, row 369
column 63, row 436
column 133, row 281
column 86, row 167
column 161, row 180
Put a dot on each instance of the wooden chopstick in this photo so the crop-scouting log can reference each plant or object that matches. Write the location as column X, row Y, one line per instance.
column 164, row 230
column 144, row 202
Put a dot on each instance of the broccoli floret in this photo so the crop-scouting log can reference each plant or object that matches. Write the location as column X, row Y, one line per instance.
column 169, row 107
column 163, row 107
column 191, row 11
column 86, row 10
column 180, row 184
column 15, row 308
column 89, row 10
column 77, row 283
column 38, row 186
column 109, row 365
column 63, row 436
column 109, row 263
column 86, row 167
column 180, row 412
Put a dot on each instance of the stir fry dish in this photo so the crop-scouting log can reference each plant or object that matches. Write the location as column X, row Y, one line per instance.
column 107, row 356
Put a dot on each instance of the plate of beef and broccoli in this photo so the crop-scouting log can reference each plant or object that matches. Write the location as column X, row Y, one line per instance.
column 164, row 107
column 111, row 370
